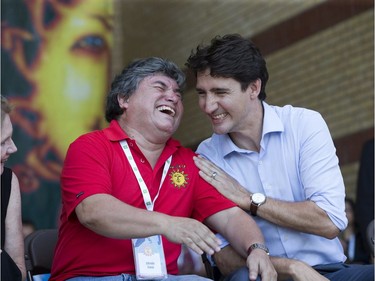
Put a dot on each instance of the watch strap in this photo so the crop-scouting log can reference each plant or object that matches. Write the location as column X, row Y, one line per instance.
column 253, row 207
column 257, row 246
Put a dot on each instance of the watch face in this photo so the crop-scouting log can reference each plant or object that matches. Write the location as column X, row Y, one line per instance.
column 258, row 198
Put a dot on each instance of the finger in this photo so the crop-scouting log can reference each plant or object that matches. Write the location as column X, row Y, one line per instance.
column 208, row 164
column 199, row 162
column 206, row 177
column 209, row 174
column 253, row 272
column 206, row 243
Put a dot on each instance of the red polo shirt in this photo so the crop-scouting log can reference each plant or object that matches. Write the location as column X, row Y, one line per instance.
column 95, row 163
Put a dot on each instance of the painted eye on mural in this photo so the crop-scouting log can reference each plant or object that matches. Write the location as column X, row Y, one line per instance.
column 94, row 44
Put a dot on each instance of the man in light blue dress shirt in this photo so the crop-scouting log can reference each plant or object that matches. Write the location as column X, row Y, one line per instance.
column 277, row 163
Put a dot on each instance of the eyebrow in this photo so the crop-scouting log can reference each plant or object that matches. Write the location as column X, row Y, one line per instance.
column 107, row 21
column 213, row 89
column 165, row 85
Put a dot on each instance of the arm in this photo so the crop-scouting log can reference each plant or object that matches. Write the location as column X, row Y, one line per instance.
column 228, row 260
column 14, row 244
column 303, row 216
column 242, row 231
column 108, row 216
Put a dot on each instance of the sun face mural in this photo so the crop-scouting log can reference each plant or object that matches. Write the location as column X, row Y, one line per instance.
column 55, row 71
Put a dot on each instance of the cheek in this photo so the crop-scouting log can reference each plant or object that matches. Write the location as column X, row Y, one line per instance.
column 202, row 103
column 3, row 151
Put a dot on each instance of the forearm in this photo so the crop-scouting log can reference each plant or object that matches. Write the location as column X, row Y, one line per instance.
column 304, row 216
column 14, row 244
column 241, row 232
column 284, row 267
column 110, row 217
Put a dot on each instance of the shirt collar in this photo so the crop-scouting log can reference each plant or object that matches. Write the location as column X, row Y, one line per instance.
column 115, row 133
column 271, row 121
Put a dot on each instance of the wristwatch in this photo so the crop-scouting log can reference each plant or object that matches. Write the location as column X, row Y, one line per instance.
column 256, row 200
column 257, row 246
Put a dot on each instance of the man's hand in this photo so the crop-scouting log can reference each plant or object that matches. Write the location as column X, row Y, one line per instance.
column 193, row 234
column 224, row 183
column 259, row 263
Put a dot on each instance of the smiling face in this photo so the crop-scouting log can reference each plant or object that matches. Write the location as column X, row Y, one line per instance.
column 224, row 102
column 155, row 107
column 7, row 145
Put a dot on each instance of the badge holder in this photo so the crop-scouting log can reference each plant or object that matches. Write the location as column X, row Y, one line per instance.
column 149, row 258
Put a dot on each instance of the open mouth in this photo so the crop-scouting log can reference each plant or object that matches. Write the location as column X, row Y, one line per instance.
column 167, row 110
column 219, row 116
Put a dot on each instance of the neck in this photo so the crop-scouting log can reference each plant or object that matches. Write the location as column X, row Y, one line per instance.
column 151, row 148
column 250, row 133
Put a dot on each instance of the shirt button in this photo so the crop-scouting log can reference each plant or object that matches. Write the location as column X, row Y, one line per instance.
column 131, row 144
column 260, row 163
column 142, row 160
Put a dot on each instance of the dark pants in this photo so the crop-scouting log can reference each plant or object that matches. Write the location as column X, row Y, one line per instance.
column 333, row 272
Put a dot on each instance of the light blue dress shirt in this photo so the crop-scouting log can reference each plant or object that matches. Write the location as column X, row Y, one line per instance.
column 297, row 162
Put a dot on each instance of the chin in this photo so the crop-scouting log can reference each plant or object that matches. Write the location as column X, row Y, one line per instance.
column 219, row 131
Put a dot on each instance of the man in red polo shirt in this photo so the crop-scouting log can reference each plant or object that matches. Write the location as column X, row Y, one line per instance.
column 131, row 194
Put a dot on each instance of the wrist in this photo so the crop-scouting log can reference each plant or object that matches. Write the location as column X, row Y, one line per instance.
column 259, row 246
column 256, row 200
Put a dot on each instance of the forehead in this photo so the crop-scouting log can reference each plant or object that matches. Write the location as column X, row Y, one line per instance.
column 205, row 80
column 6, row 127
column 160, row 78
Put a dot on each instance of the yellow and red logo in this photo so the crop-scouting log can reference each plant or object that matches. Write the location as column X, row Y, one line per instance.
column 178, row 177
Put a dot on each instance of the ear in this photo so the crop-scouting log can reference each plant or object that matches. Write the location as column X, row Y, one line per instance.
column 254, row 88
column 123, row 102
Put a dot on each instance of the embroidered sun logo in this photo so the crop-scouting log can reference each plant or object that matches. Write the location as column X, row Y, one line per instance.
column 178, row 177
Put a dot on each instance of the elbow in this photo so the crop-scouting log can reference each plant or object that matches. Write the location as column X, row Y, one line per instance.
column 331, row 232
column 86, row 215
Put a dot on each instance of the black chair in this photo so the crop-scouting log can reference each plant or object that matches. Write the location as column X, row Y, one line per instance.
column 39, row 250
column 212, row 272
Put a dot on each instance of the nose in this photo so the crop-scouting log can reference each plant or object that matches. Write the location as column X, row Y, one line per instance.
column 209, row 103
column 173, row 95
column 12, row 148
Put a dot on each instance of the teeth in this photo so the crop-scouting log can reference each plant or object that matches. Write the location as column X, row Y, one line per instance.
column 166, row 109
column 219, row 116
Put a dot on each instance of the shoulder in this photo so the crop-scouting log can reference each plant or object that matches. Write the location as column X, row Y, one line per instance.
column 293, row 112
column 299, row 119
column 94, row 138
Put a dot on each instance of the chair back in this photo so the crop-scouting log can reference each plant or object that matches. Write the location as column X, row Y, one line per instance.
column 39, row 250
column 370, row 237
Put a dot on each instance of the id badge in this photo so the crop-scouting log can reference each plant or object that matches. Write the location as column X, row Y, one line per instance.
column 149, row 258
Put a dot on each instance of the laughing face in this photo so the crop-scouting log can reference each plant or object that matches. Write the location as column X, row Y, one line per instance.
column 225, row 103
column 7, row 145
column 158, row 101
